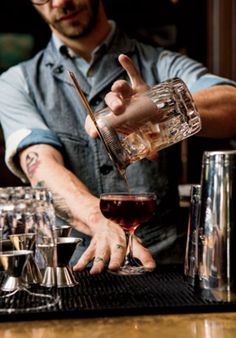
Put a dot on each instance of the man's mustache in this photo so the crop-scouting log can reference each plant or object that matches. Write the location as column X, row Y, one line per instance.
column 69, row 8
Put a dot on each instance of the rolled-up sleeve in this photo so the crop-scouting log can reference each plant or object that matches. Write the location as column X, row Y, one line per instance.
column 22, row 139
column 21, row 123
column 210, row 80
column 193, row 73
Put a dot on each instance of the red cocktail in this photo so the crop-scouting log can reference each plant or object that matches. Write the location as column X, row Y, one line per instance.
column 129, row 210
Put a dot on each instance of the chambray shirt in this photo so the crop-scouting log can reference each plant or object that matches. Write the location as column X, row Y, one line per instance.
column 38, row 104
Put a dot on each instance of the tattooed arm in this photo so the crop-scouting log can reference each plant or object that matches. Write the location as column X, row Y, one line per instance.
column 41, row 160
column 43, row 163
column 32, row 163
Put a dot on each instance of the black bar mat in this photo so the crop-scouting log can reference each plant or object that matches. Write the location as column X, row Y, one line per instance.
column 163, row 291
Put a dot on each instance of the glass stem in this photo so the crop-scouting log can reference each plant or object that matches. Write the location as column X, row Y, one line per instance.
column 127, row 256
column 129, row 259
column 131, row 246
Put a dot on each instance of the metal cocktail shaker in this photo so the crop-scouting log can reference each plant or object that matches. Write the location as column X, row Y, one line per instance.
column 217, row 268
column 191, row 252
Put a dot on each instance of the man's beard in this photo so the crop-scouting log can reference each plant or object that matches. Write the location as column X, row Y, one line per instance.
column 82, row 30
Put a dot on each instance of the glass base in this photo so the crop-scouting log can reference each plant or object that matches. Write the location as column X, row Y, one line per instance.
column 128, row 270
column 132, row 266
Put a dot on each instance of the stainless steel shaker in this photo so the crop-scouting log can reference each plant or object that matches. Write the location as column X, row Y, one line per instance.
column 217, row 268
column 191, row 252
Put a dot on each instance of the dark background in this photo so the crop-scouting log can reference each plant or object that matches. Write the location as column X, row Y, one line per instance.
column 187, row 16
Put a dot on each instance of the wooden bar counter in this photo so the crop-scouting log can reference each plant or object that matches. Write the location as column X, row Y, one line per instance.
column 208, row 325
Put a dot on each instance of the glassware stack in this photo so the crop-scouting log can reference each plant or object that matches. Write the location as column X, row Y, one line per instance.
column 27, row 219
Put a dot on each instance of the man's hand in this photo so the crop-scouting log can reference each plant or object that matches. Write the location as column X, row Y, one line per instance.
column 108, row 244
column 130, row 111
column 119, row 97
column 108, row 248
column 121, row 91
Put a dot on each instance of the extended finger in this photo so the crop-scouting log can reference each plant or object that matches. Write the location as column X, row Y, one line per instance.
column 101, row 254
column 117, row 256
column 134, row 76
column 99, row 263
column 85, row 258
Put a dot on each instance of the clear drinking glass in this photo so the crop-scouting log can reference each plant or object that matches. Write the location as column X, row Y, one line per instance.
column 161, row 117
column 129, row 210
column 26, row 219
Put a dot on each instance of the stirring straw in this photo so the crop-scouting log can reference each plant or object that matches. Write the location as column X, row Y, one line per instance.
column 83, row 98
column 90, row 112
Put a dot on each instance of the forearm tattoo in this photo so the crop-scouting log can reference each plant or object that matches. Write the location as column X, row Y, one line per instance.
column 32, row 163
column 61, row 208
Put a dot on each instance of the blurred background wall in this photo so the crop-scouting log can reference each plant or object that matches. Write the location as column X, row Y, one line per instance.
column 203, row 29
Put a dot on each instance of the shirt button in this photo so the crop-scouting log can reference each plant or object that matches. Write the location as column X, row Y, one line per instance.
column 97, row 101
column 59, row 69
column 105, row 169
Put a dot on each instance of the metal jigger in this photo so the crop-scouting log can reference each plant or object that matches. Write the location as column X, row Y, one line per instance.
column 64, row 273
column 31, row 271
column 13, row 263
column 5, row 245
column 62, row 230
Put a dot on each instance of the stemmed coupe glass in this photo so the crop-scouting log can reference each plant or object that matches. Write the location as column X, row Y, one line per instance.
column 129, row 210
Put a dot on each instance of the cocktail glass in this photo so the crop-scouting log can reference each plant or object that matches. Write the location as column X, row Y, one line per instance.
column 129, row 210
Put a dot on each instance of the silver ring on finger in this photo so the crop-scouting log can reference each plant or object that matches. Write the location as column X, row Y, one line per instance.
column 99, row 259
